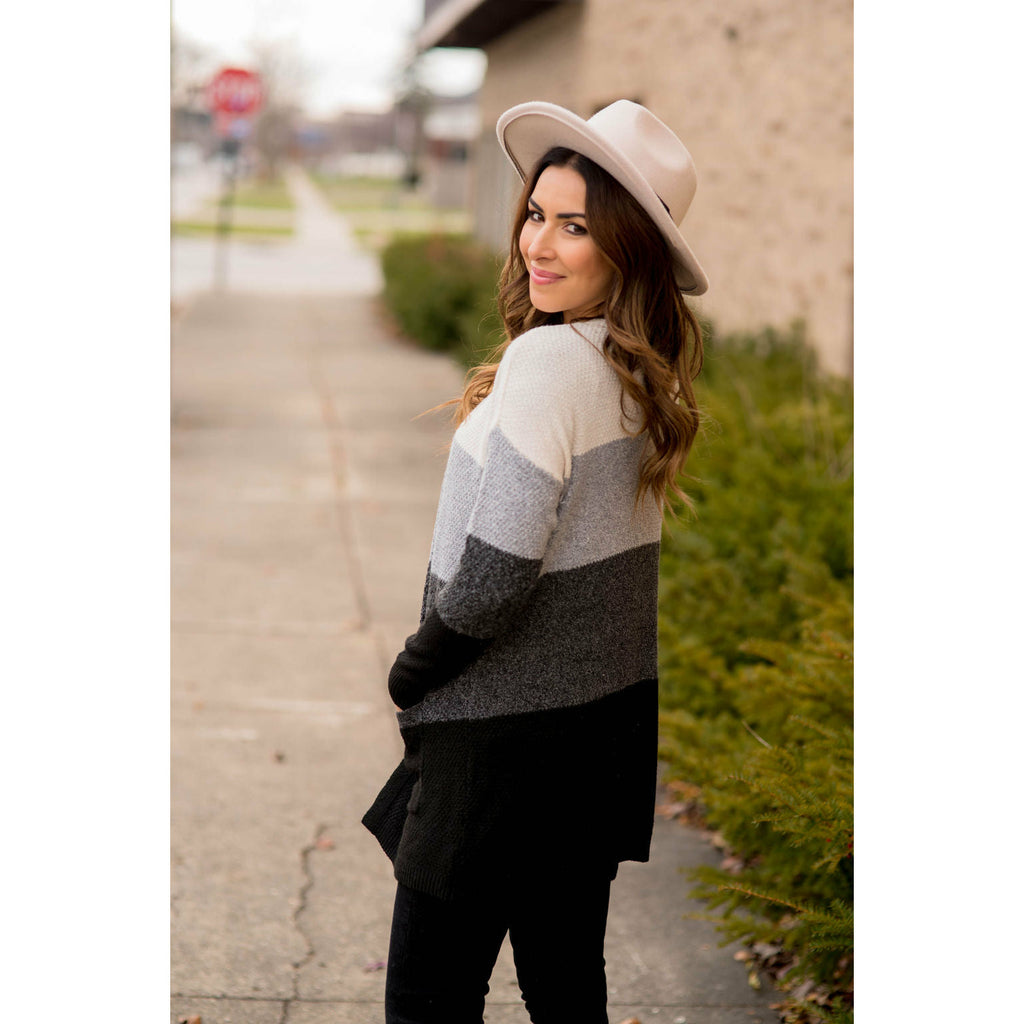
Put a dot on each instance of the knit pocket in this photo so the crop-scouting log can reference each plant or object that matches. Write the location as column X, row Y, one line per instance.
column 386, row 818
column 413, row 764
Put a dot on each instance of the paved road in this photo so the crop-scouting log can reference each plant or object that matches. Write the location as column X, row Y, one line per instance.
column 303, row 497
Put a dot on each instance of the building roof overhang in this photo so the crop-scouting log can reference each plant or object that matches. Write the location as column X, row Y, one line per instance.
column 474, row 23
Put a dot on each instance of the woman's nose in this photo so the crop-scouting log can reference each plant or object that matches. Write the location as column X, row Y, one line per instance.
column 540, row 244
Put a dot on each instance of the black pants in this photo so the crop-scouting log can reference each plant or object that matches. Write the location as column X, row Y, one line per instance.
column 442, row 952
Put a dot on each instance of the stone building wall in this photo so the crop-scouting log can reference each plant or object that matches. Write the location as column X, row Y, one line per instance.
column 761, row 92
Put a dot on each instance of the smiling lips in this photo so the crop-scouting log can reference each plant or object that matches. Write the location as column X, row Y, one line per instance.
column 538, row 276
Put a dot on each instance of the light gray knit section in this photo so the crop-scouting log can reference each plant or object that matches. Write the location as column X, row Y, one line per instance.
column 458, row 495
column 597, row 516
column 517, row 503
column 511, row 504
column 520, row 507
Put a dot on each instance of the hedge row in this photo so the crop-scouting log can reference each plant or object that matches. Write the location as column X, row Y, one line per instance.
column 441, row 289
column 755, row 624
column 756, row 643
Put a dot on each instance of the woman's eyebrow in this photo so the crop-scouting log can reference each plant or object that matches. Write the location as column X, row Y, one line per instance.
column 566, row 216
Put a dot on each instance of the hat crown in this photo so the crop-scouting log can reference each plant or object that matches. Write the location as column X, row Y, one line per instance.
column 654, row 149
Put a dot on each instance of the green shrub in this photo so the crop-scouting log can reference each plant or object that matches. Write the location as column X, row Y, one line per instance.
column 756, row 631
column 441, row 289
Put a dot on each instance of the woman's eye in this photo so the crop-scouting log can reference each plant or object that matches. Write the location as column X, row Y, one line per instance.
column 575, row 229
column 535, row 217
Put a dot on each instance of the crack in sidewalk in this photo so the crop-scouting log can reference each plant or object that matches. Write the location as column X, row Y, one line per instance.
column 300, row 907
column 348, row 520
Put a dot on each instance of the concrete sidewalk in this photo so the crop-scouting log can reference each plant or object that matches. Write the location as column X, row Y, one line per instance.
column 303, row 496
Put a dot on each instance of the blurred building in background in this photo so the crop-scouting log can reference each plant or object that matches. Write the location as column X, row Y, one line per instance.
column 451, row 126
column 360, row 144
column 761, row 92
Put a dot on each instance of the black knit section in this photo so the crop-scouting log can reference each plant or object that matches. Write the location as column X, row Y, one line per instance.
column 386, row 818
column 512, row 794
column 434, row 654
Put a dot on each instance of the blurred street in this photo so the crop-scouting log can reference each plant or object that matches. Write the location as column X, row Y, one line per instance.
column 303, row 496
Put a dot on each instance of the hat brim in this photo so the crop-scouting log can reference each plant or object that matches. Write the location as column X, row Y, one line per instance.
column 527, row 131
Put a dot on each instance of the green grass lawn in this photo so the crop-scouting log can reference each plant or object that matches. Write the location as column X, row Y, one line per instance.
column 349, row 194
column 253, row 232
column 263, row 195
column 261, row 210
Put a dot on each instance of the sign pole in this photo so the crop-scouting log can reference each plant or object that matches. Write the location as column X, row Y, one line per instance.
column 229, row 150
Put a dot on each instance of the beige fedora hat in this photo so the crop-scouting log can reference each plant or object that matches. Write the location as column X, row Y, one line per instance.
column 633, row 146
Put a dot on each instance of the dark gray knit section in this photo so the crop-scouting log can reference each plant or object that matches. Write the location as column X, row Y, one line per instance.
column 488, row 590
column 585, row 633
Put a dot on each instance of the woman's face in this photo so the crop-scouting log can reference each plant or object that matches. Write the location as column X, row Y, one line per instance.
column 568, row 273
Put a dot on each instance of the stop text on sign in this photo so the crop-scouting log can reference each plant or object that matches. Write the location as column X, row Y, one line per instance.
column 235, row 91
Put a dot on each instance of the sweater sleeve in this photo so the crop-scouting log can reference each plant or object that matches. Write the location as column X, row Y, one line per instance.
column 525, row 451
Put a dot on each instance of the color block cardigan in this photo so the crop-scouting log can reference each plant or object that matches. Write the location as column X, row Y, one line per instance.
column 529, row 691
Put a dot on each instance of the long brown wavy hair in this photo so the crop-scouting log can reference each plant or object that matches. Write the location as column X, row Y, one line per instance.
column 654, row 341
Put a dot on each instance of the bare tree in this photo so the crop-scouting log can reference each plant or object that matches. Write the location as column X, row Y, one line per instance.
column 285, row 75
column 413, row 101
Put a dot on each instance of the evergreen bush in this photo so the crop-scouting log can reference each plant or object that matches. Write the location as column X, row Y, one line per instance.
column 756, row 631
column 441, row 289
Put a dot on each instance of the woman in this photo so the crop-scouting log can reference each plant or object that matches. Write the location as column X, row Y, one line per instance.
column 529, row 692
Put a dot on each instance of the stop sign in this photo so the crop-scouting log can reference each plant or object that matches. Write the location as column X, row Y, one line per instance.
column 236, row 92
